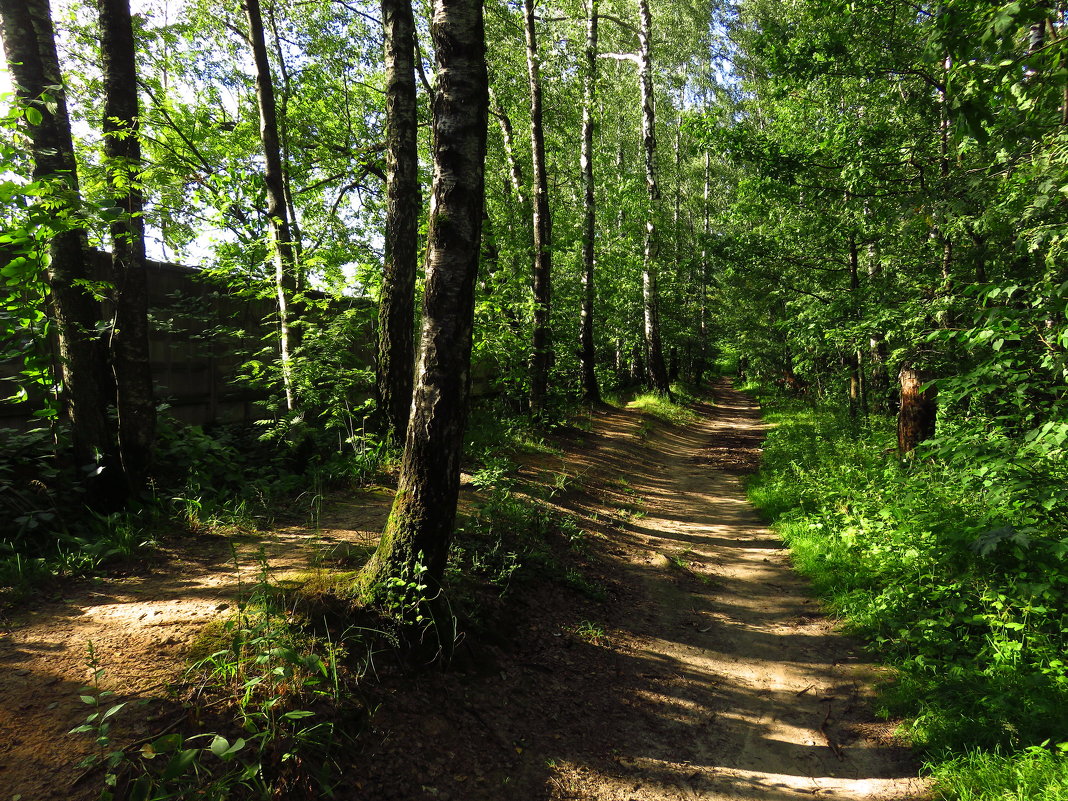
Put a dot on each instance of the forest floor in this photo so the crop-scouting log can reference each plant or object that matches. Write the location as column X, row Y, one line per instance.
column 709, row 672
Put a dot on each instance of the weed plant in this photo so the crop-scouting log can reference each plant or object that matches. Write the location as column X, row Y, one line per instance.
column 952, row 573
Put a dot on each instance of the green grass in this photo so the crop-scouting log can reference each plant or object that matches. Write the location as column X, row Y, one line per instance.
column 1034, row 774
column 963, row 591
column 662, row 408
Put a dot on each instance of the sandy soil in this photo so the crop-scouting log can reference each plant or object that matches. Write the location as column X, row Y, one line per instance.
column 708, row 674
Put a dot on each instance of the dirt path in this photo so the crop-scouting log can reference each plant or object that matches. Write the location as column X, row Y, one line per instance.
column 746, row 690
column 707, row 674
column 141, row 627
column 717, row 677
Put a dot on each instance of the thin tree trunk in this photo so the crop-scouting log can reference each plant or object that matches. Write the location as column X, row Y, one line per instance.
column 30, row 48
column 283, row 136
column 879, row 377
column 515, row 171
column 637, row 366
column 658, row 377
column 587, row 354
column 855, row 390
column 282, row 243
column 130, row 355
column 541, row 346
column 706, row 232
column 424, row 510
column 396, row 312
column 917, row 415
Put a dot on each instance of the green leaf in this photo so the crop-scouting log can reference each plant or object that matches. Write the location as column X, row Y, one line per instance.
column 113, row 710
column 33, row 115
column 219, row 745
column 178, row 764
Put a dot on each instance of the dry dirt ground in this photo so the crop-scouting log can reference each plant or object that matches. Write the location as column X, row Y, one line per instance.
column 708, row 673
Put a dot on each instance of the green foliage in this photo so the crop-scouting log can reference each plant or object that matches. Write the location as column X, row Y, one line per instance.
column 591, row 632
column 948, row 568
column 1038, row 773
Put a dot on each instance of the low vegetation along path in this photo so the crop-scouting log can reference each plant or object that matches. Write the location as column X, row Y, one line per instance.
column 709, row 673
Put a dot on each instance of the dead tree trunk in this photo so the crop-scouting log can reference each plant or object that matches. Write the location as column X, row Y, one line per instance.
column 916, row 417
column 420, row 524
column 396, row 312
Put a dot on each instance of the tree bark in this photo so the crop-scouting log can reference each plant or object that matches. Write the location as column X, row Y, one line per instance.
column 702, row 323
column 879, row 377
column 658, row 377
column 420, row 524
column 855, row 359
column 587, row 353
column 541, row 346
column 917, row 415
column 30, row 48
column 130, row 355
column 285, row 273
column 515, row 171
column 396, row 312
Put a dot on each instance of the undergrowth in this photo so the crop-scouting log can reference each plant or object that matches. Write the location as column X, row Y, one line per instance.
column 960, row 584
column 226, row 480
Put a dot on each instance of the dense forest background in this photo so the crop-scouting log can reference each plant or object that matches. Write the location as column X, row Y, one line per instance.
column 857, row 208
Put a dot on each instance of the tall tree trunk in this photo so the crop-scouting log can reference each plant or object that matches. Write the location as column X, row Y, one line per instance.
column 658, row 377
column 917, row 415
column 30, row 48
column 515, row 171
column 285, row 271
column 541, row 346
column 396, row 312
column 299, row 277
column 702, row 323
column 424, row 510
column 856, row 391
column 130, row 355
column 879, row 377
column 587, row 354
column 637, row 365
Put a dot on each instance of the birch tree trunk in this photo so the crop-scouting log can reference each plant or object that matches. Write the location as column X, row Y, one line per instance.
column 130, row 356
column 396, row 312
column 587, row 353
column 30, row 49
column 706, row 231
column 420, row 524
column 541, row 346
column 658, row 377
column 515, row 171
column 285, row 278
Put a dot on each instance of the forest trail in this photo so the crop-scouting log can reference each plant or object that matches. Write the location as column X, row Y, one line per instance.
column 718, row 677
column 708, row 674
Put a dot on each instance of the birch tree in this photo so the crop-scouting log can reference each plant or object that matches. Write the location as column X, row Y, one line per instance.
column 129, row 336
column 419, row 529
column 396, row 304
